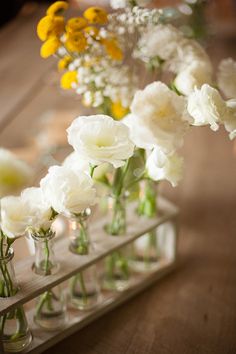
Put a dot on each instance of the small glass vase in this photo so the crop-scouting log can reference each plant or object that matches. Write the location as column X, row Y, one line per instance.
column 84, row 287
column 116, row 266
column 145, row 254
column 14, row 327
column 50, row 310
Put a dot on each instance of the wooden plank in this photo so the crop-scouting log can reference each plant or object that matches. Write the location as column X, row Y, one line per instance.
column 31, row 284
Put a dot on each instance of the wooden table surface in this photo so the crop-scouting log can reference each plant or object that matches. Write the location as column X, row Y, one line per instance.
column 191, row 311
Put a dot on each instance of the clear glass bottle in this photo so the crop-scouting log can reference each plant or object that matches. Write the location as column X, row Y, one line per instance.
column 50, row 310
column 145, row 254
column 14, row 327
column 116, row 265
column 84, row 287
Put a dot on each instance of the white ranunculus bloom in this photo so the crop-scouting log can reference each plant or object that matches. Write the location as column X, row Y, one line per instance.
column 229, row 120
column 14, row 173
column 227, row 77
column 162, row 114
column 40, row 211
column 15, row 216
column 193, row 76
column 165, row 167
column 206, row 106
column 100, row 139
column 69, row 191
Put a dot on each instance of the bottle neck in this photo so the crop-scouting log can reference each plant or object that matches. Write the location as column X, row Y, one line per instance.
column 78, row 229
column 8, row 284
column 45, row 263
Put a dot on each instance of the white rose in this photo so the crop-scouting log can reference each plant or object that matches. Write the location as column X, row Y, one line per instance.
column 100, row 139
column 15, row 216
column 227, row 77
column 165, row 167
column 14, row 173
column 40, row 211
column 229, row 120
column 206, row 106
column 163, row 114
column 194, row 75
column 69, row 191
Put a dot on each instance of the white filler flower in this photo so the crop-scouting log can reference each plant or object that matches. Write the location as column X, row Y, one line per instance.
column 162, row 114
column 69, row 191
column 227, row 77
column 100, row 139
column 14, row 173
column 165, row 167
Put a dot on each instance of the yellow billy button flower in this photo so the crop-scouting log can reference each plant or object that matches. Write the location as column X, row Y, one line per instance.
column 68, row 79
column 50, row 47
column 92, row 31
column 76, row 42
column 76, row 24
column 50, row 26
column 112, row 49
column 96, row 15
column 64, row 62
column 118, row 111
column 57, row 8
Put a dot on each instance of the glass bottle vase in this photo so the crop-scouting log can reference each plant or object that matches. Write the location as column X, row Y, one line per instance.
column 50, row 311
column 116, row 266
column 14, row 327
column 84, row 287
column 145, row 254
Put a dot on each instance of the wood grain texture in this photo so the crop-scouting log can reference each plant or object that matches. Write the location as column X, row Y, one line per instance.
column 193, row 310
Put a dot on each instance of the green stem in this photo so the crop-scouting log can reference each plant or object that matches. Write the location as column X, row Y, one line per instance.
column 47, row 254
column 83, row 288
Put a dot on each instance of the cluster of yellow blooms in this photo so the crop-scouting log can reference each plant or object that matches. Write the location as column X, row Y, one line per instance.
column 73, row 35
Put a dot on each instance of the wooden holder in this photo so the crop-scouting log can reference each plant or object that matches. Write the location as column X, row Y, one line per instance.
column 32, row 285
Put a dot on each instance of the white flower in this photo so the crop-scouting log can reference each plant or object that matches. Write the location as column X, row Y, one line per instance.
column 100, row 139
column 69, row 191
column 229, row 120
column 40, row 211
column 162, row 114
column 74, row 161
column 14, row 216
column 118, row 4
column 227, row 77
column 14, row 173
column 206, row 106
column 195, row 75
column 160, row 41
column 165, row 167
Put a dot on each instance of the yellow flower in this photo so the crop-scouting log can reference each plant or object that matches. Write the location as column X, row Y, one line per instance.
column 50, row 26
column 68, row 79
column 50, row 47
column 76, row 24
column 57, row 8
column 118, row 111
column 96, row 15
column 64, row 62
column 92, row 31
column 76, row 42
column 112, row 49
